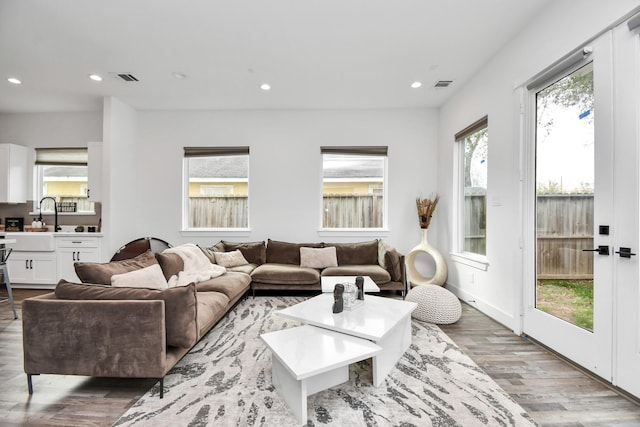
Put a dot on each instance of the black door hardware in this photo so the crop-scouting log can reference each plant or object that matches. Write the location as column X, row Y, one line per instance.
column 603, row 230
column 602, row 250
column 625, row 253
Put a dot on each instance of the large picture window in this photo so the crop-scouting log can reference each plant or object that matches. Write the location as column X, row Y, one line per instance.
column 354, row 187
column 472, row 147
column 63, row 174
column 216, row 187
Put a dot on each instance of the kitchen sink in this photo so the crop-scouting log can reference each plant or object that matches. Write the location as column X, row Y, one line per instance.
column 42, row 241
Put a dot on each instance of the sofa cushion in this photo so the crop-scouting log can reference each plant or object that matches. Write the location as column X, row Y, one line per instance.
column 254, row 252
column 231, row 284
column 211, row 307
column 171, row 264
column 95, row 272
column 285, row 252
column 394, row 265
column 362, row 253
column 210, row 252
column 246, row 269
column 318, row 257
column 377, row 273
column 383, row 248
column 285, row 274
column 148, row 277
column 180, row 305
column 230, row 259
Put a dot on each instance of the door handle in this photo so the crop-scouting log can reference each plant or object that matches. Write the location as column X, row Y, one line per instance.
column 74, row 255
column 625, row 253
column 602, row 250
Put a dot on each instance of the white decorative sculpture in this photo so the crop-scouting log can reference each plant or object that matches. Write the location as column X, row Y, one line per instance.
column 415, row 278
column 426, row 208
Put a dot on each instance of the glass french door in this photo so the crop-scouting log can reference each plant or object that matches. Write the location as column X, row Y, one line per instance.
column 582, row 279
column 568, row 304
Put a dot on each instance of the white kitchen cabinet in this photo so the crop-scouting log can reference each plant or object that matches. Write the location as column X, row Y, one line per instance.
column 75, row 249
column 38, row 268
column 94, row 152
column 13, row 173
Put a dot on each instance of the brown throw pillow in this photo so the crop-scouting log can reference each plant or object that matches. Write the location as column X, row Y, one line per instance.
column 253, row 252
column 95, row 272
column 394, row 266
column 362, row 253
column 180, row 305
column 285, row 252
column 171, row 264
column 210, row 252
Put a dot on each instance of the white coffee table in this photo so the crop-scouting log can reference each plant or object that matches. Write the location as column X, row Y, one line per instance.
column 330, row 282
column 384, row 321
column 307, row 360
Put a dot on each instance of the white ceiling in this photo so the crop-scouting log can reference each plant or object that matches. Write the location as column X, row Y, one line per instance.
column 314, row 53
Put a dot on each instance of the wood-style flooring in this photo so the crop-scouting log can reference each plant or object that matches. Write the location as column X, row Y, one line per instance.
column 554, row 392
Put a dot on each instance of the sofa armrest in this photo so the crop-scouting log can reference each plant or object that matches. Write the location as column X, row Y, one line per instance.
column 96, row 338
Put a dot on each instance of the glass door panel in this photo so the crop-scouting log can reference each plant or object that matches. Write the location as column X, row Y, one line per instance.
column 565, row 171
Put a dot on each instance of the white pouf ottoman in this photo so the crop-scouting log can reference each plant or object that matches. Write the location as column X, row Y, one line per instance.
column 435, row 304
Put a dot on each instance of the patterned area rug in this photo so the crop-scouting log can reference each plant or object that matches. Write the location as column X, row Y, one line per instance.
column 226, row 381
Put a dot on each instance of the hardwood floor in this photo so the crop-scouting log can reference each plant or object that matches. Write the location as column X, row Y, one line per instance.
column 555, row 393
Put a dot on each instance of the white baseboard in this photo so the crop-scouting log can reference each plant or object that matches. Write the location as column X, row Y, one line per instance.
column 490, row 310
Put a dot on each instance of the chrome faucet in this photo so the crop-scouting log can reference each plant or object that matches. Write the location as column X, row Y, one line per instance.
column 56, row 227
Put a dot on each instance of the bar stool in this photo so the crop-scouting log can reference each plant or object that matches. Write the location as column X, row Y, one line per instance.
column 4, row 256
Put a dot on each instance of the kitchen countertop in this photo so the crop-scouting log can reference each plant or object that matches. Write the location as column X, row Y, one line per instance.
column 56, row 234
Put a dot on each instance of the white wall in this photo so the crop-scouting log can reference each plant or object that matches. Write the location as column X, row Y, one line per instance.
column 284, row 168
column 121, row 192
column 40, row 130
column 142, row 154
column 561, row 28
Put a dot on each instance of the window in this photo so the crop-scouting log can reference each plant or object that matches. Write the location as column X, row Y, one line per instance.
column 353, row 187
column 472, row 144
column 216, row 187
column 62, row 173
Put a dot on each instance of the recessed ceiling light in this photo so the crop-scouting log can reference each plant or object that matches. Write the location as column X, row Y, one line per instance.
column 265, row 86
column 416, row 85
column 95, row 77
column 179, row 76
column 14, row 81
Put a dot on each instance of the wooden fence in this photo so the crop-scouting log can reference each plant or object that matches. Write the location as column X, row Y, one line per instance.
column 340, row 211
column 352, row 211
column 565, row 228
column 224, row 211
column 475, row 227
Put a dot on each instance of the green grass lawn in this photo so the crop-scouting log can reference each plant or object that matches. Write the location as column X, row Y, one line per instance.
column 569, row 300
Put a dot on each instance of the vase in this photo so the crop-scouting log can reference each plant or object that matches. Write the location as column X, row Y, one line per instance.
column 415, row 278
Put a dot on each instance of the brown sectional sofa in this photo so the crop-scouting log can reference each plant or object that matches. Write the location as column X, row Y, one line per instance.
column 99, row 330
column 277, row 265
column 96, row 329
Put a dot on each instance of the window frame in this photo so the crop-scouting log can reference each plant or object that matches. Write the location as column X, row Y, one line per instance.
column 192, row 152
column 59, row 156
column 459, row 254
column 378, row 151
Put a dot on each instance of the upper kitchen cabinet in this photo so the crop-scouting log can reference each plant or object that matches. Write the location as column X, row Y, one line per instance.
column 94, row 192
column 13, row 173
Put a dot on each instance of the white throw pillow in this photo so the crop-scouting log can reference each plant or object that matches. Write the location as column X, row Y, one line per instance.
column 230, row 259
column 147, row 277
column 383, row 248
column 318, row 257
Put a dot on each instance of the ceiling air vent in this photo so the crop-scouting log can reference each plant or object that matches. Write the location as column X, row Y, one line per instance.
column 443, row 83
column 128, row 77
